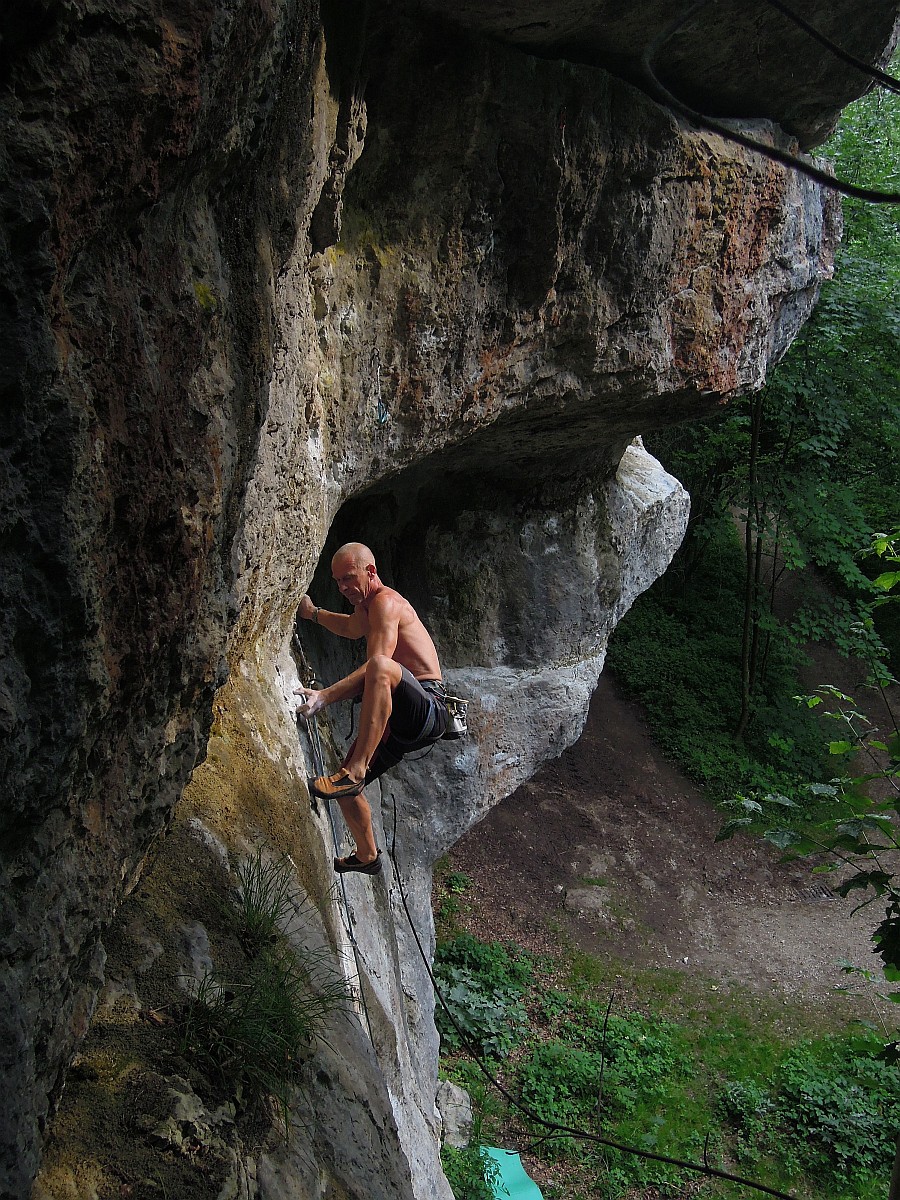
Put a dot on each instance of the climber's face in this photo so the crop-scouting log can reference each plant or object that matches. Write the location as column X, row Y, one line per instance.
column 354, row 579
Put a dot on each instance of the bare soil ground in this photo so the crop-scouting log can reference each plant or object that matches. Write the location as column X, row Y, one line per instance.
column 611, row 848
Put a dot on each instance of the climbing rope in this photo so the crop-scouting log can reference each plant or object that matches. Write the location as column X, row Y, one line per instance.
column 887, row 81
column 553, row 1129
column 318, row 761
column 661, row 94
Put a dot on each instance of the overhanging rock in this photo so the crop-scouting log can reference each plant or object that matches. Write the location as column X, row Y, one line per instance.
column 270, row 273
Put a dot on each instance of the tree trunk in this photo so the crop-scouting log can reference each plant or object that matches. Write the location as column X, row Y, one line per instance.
column 894, row 1193
column 757, row 593
column 752, row 532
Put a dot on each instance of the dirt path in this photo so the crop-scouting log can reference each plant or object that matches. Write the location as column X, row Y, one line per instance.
column 613, row 847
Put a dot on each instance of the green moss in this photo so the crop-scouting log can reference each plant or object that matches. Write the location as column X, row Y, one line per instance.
column 206, row 297
column 360, row 235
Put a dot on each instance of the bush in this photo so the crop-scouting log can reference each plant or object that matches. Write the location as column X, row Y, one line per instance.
column 749, row 1108
column 264, row 900
column 829, row 1113
column 622, row 1068
column 482, row 985
column 839, row 1105
column 252, row 1034
column 471, row 1172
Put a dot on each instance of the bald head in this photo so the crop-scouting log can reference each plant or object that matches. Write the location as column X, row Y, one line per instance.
column 353, row 570
column 355, row 553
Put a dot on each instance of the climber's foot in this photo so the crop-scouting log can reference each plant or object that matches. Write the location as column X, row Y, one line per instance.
column 337, row 787
column 352, row 863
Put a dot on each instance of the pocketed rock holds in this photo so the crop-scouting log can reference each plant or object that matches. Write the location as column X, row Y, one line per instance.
column 189, row 1124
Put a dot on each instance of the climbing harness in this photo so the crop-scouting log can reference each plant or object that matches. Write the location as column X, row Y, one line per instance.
column 456, row 708
column 553, row 1129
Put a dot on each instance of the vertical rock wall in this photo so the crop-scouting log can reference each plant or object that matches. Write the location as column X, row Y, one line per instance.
column 151, row 155
column 267, row 269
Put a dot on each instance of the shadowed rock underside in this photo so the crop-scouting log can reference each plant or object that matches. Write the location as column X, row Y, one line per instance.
column 271, row 278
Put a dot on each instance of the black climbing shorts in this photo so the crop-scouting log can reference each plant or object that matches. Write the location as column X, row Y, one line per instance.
column 418, row 720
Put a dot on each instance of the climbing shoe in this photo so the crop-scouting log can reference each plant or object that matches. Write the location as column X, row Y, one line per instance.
column 352, row 863
column 336, row 787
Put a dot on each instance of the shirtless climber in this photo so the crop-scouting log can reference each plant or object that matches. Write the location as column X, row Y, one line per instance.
column 402, row 694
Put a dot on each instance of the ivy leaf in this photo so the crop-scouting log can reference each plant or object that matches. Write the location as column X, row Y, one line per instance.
column 782, row 838
column 842, row 747
column 730, row 828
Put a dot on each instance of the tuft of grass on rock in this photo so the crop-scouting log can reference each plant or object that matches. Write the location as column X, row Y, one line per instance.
column 254, row 1033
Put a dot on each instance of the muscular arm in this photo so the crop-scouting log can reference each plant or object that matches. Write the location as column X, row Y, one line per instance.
column 384, row 626
column 381, row 638
column 342, row 624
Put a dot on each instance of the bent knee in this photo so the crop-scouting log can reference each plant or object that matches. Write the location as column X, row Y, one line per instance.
column 380, row 666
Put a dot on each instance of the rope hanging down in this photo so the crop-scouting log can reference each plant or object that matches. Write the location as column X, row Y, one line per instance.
column 553, row 1130
column 315, row 742
column 666, row 99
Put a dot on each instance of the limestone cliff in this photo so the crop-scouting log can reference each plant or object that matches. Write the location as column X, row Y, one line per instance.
column 271, row 277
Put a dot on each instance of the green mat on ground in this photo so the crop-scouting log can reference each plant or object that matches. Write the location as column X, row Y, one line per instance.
column 517, row 1184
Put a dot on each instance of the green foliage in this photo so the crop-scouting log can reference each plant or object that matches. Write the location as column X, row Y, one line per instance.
column 562, row 1083
column 471, row 1172
column 264, row 900
column 457, row 882
column 679, row 654
column 748, row 1106
column 253, row 1034
column 206, row 297
column 620, row 1074
column 829, row 1112
column 809, row 464
column 708, row 1073
column 618, row 1070
column 482, row 985
column 449, row 886
column 856, row 828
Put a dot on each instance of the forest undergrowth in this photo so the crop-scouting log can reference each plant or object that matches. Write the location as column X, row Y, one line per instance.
column 660, row 1061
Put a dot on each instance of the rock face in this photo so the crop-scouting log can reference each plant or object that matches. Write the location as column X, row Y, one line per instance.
column 272, row 277
column 734, row 58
